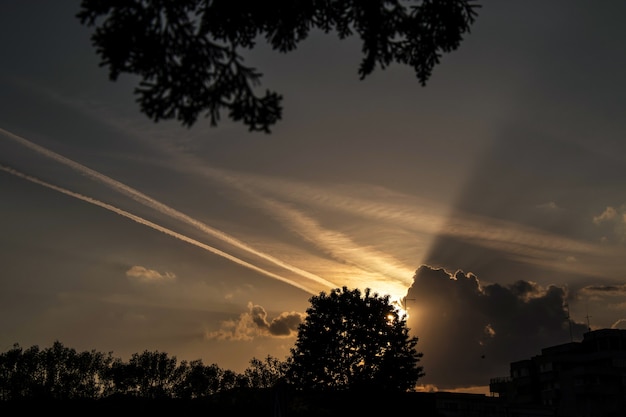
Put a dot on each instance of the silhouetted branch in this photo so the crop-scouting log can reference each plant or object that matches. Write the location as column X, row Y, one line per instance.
column 185, row 52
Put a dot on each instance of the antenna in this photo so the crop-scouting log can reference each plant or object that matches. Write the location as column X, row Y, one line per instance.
column 404, row 300
column 587, row 317
column 571, row 336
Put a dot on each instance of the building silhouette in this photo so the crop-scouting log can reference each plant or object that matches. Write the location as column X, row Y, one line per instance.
column 576, row 379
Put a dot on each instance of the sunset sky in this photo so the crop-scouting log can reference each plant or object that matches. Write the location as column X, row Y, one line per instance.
column 492, row 198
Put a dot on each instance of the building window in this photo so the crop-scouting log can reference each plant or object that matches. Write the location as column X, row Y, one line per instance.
column 451, row 406
column 545, row 367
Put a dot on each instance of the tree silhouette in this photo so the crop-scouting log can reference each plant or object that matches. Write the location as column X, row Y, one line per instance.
column 20, row 373
column 61, row 373
column 198, row 380
column 57, row 372
column 357, row 341
column 186, row 52
column 265, row 373
column 70, row 374
column 154, row 374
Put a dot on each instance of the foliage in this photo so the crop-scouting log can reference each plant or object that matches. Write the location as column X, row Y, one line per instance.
column 198, row 380
column 61, row 373
column 351, row 340
column 147, row 375
column 57, row 372
column 186, row 52
column 265, row 373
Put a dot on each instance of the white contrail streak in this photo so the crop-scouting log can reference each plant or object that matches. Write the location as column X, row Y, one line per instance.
column 160, row 207
column 157, row 227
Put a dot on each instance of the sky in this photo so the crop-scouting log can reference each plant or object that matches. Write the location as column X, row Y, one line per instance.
column 492, row 200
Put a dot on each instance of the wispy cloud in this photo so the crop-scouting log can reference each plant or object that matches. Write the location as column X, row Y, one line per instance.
column 421, row 221
column 609, row 214
column 426, row 220
column 613, row 222
column 619, row 290
column 619, row 324
column 145, row 275
column 416, row 214
column 394, row 276
column 549, row 206
column 293, row 202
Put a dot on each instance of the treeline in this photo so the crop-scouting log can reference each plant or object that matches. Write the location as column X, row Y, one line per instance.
column 62, row 373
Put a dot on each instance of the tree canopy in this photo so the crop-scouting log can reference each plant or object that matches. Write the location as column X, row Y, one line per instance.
column 187, row 52
column 354, row 340
column 62, row 373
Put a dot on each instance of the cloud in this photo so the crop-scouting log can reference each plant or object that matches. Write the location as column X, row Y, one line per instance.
column 420, row 220
column 549, row 206
column 609, row 296
column 254, row 323
column 619, row 290
column 355, row 243
column 426, row 388
column 613, row 223
column 619, row 324
column 614, row 218
column 609, row 214
column 343, row 248
column 143, row 274
column 489, row 331
column 286, row 324
column 469, row 332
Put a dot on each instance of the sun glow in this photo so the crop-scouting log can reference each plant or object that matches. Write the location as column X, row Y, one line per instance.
column 401, row 305
column 400, row 308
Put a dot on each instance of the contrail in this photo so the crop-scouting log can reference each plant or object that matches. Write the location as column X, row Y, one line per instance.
column 160, row 207
column 157, row 227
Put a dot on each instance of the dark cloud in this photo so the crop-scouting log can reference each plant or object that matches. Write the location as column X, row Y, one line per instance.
column 285, row 324
column 259, row 316
column 470, row 333
column 605, row 289
column 255, row 323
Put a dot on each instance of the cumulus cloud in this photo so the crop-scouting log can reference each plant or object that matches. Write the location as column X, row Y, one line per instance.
column 426, row 388
column 471, row 332
column 145, row 275
column 613, row 222
column 609, row 214
column 255, row 323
